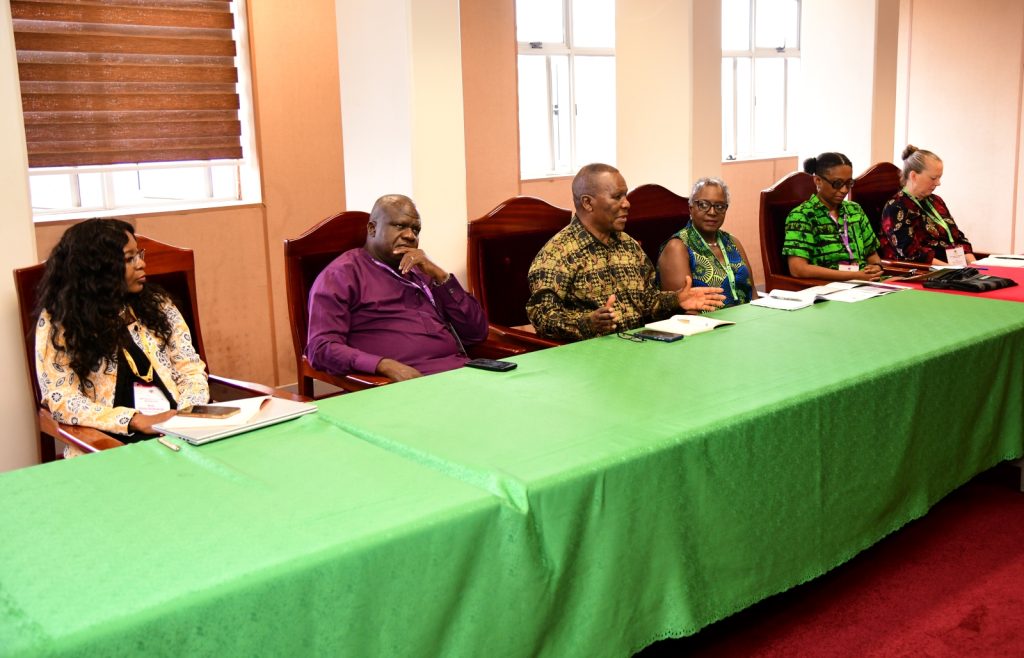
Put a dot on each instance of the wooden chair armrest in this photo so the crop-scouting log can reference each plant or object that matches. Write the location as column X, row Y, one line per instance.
column 490, row 349
column 352, row 382
column 528, row 341
column 86, row 439
column 224, row 389
column 898, row 267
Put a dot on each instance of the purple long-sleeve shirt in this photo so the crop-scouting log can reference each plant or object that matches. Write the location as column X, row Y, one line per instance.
column 360, row 313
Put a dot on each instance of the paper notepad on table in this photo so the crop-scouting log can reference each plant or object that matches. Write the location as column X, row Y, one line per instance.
column 687, row 325
column 837, row 291
column 254, row 413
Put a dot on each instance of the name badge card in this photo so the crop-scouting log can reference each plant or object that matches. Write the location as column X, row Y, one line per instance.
column 955, row 256
column 150, row 400
column 849, row 267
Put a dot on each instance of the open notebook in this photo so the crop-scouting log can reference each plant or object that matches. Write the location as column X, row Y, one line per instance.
column 255, row 413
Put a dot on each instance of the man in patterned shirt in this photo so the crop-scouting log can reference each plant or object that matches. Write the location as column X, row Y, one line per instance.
column 591, row 278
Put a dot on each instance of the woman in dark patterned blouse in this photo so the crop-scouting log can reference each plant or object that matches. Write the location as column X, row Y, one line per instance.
column 916, row 224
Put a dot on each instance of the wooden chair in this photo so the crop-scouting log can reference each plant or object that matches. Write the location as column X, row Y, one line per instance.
column 655, row 213
column 776, row 203
column 172, row 268
column 879, row 183
column 304, row 258
column 501, row 246
column 873, row 188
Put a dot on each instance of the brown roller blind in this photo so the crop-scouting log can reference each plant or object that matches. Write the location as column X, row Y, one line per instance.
column 115, row 81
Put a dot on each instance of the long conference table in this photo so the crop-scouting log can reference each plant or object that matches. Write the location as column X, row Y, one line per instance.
column 600, row 497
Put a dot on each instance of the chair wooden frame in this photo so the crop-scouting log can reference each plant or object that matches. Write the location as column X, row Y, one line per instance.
column 655, row 214
column 873, row 188
column 501, row 246
column 776, row 203
column 171, row 267
column 304, row 258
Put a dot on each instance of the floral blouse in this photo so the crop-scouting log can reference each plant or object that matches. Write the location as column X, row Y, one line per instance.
column 90, row 403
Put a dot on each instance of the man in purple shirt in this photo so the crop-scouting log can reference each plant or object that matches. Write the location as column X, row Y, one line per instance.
column 387, row 309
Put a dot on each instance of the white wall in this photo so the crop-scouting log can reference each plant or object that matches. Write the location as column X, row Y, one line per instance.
column 402, row 114
column 837, row 53
column 961, row 98
column 654, row 90
column 19, row 438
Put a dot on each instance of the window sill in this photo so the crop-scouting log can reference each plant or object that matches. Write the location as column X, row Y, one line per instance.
column 761, row 158
column 552, row 177
column 143, row 211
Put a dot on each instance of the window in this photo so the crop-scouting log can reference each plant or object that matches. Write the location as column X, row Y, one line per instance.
column 566, row 85
column 760, row 77
column 134, row 105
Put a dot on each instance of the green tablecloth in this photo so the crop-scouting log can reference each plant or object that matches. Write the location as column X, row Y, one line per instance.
column 601, row 496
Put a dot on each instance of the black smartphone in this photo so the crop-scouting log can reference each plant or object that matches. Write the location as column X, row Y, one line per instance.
column 663, row 336
column 208, row 411
column 491, row 364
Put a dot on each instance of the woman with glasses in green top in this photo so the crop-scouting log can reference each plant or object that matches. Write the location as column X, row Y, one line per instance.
column 704, row 252
column 916, row 224
column 828, row 237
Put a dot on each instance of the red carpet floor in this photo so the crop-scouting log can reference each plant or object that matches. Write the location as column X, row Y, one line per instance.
column 949, row 584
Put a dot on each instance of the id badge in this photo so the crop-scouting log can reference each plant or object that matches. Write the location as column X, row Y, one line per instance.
column 955, row 256
column 849, row 267
column 150, row 400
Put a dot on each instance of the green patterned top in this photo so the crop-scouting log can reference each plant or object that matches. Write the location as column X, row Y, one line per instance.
column 813, row 235
column 573, row 275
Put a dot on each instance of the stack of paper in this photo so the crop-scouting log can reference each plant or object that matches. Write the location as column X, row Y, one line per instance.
column 837, row 291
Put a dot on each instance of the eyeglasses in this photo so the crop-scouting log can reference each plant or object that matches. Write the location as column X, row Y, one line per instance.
column 635, row 339
column 134, row 260
column 838, row 183
column 705, row 206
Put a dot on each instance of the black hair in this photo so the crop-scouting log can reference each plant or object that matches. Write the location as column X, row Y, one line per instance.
column 583, row 182
column 819, row 165
column 83, row 289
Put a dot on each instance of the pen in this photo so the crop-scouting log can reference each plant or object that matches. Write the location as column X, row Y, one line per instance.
column 169, row 444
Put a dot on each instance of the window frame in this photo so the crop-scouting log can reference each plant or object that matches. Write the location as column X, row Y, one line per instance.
column 247, row 179
column 753, row 53
column 547, row 50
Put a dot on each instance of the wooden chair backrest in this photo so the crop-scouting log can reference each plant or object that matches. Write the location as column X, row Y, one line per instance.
column 776, row 203
column 501, row 246
column 172, row 268
column 873, row 188
column 655, row 213
column 306, row 256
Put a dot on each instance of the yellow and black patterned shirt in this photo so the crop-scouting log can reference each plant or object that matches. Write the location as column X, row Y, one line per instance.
column 574, row 273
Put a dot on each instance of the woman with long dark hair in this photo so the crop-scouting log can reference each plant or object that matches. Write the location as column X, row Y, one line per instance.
column 112, row 352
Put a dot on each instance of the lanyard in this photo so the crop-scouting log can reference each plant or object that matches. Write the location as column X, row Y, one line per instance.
column 844, row 234
column 725, row 257
column 148, row 377
column 935, row 216
column 406, row 282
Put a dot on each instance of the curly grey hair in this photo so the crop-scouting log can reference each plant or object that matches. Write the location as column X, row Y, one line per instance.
column 714, row 182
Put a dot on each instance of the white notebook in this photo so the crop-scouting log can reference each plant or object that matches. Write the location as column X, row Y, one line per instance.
column 687, row 325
